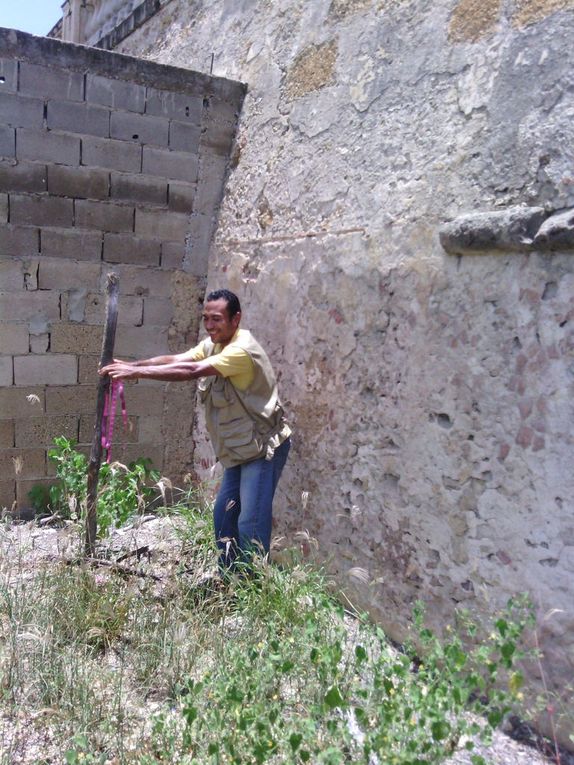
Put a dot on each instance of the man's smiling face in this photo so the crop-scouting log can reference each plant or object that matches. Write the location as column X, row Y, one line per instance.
column 218, row 324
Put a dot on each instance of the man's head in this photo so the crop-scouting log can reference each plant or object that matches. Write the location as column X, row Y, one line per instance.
column 221, row 315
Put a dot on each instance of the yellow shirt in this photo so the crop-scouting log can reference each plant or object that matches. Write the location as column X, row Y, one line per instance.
column 232, row 362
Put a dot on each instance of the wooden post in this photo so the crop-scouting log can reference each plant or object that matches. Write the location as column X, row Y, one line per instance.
column 107, row 357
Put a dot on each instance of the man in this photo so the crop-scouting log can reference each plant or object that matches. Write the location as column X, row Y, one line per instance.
column 244, row 418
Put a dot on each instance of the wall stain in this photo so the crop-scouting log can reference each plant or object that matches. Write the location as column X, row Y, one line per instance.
column 313, row 69
column 473, row 19
column 530, row 11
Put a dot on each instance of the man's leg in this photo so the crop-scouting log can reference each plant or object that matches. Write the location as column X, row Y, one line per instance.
column 259, row 480
column 225, row 516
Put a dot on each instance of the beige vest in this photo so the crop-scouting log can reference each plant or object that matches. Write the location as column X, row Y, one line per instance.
column 243, row 425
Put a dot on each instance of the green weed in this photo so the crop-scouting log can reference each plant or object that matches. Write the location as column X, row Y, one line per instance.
column 123, row 490
column 268, row 668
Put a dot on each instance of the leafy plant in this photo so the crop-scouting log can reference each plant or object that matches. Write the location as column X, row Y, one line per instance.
column 270, row 669
column 122, row 490
column 303, row 692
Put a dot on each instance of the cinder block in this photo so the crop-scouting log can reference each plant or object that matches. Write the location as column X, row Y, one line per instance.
column 29, row 306
column 51, row 369
column 74, row 117
column 75, row 338
column 6, row 434
column 150, row 429
column 181, row 197
column 13, row 338
column 19, row 111
column 24, row 487
column 169, row 226
column 142, row 342
column 40, row 343
column 9, row 75
column 43, row 430
column 197, row 246
column 22, row 463
column 78, row 399
column 126, row 453
column 105, row 216
column 7, row 142
column 6, row 370
column 21, row 402
column 32, row 210
column 138, row 188
column 58, row 274
column 116, row 155
column 78, row 182
column 24, row 176
column 219, row 110
column 172, row 254
column 48, row 82
column 88, row 369
column 217, row 138
column 7, row 494
column 184, row 136
column 121, row 434
column 158, row 312
column 200, row 227
column 17, row 241
column 176, row 165
column 130, row 310
column 47, row 146
column 117, row 94
column 126, row 248
column 135, row 280
column 176, row 106
column 145, row 399
column 210, row 184
column 140, row 128
column 71, row 243
column 16, row 275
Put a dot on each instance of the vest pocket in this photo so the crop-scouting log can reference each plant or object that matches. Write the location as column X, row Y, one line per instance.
column 239, row 439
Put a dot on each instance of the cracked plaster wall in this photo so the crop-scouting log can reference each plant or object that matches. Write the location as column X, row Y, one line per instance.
column 431, row 395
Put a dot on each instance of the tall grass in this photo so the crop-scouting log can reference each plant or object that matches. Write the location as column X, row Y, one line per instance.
column 96, row 667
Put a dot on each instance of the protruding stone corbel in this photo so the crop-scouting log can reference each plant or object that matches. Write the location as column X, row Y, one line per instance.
column 516, row 229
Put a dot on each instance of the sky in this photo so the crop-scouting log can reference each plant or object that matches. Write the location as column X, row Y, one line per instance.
column 34, row 16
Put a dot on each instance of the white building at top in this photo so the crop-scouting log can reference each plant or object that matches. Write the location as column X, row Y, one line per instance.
column 90, row 22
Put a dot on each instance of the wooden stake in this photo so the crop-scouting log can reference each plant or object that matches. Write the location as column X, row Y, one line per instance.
column 91, row 528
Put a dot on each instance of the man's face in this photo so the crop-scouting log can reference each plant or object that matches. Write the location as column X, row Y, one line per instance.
column 218, row 325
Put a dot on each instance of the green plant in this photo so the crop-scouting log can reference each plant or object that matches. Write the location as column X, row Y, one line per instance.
column 270, row 670
column 122, row 490
column 303, row 692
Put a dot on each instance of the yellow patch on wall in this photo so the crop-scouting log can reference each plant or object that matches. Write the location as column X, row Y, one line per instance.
column 529, row 11
column 473, row 19
column 313, row 69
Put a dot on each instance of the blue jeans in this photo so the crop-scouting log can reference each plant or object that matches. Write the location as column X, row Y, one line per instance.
column 242, row 510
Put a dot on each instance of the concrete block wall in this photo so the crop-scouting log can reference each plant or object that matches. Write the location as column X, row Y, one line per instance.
column 106, row 163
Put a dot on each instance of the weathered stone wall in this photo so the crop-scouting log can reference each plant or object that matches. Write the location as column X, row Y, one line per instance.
column 107, row 163
column 431, row 394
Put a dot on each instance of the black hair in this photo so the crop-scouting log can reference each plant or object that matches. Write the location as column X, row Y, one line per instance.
column 233, row 305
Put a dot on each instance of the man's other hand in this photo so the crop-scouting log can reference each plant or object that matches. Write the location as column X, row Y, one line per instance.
column 120, row 370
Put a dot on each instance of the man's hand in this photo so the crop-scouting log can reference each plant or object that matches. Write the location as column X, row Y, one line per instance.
column 120, row 370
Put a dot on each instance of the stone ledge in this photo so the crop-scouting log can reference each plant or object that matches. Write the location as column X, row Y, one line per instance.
column 516, row 229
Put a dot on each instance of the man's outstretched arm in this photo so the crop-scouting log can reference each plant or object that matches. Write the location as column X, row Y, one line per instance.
column 168, row 371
